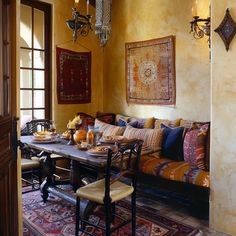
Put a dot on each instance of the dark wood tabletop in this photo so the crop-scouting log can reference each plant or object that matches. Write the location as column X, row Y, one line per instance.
column 61, row 148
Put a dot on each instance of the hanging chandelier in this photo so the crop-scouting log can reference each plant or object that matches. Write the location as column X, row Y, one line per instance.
column 103, row 20
column 80, row 24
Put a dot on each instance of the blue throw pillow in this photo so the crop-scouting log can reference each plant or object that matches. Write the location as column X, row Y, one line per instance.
column 172, row 144
column 121, row 122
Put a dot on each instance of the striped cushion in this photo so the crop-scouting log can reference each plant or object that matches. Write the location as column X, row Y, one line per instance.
column 151, row 137
column 108, row 129
column 173, row 170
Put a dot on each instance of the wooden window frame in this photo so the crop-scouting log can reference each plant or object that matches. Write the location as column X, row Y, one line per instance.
column 46, row 8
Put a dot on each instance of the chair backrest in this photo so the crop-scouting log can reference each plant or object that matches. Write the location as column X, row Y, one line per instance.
column 36, row 125
column 123, row 162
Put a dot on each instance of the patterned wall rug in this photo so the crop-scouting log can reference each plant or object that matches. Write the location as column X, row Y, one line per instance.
column 57, row 218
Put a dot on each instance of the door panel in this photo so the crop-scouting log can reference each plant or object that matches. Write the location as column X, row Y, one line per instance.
column 8, row 137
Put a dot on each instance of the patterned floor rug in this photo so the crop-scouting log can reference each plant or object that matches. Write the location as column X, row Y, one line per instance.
column 57, row 218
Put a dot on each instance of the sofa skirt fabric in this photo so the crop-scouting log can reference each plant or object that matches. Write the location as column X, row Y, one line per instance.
column 174, row 170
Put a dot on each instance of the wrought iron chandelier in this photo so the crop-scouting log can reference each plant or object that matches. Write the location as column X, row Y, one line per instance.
column 81, row 24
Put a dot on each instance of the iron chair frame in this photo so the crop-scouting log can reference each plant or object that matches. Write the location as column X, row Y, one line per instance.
column 32, row 127
column 125, row 166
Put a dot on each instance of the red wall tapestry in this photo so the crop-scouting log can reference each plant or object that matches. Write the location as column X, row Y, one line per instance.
column 73, row 76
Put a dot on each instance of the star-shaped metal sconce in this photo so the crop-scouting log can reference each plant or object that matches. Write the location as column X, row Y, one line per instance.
column 227, row 29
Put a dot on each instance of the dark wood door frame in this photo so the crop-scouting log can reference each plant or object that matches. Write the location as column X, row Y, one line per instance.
column 8, row 142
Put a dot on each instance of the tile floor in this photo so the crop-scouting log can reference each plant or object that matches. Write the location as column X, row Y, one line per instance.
column 179, row 213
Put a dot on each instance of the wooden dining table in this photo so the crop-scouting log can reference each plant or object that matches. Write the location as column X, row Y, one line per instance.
column 80, row 162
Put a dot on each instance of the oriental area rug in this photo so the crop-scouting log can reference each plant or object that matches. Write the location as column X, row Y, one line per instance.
column 56, row 217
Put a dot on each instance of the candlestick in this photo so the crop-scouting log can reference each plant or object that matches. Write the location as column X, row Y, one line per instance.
column 72, row 141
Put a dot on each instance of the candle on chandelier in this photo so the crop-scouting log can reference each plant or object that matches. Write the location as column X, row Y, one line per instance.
column 76, row 3
column 87, row 7
column 194, row 8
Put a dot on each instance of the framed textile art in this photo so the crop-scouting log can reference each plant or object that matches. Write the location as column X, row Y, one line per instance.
column 150, row 71
column 73, row 76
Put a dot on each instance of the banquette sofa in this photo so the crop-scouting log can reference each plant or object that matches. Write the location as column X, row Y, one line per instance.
column 175, row 159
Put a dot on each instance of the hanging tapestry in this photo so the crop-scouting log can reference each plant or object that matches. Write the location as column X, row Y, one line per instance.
column 73, row 76
column 150, row 71
column 103, row 20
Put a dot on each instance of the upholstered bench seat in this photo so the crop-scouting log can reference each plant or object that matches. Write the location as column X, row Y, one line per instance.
column 174, row 170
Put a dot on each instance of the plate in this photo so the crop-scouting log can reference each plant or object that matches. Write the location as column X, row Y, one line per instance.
column 112, row 139
column 99, row 150
column 97, row 154
column 79, row 147
column 45, row 141
column 42, row 133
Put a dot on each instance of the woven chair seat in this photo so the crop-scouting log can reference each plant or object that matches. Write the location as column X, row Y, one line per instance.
column 95, row 191
column 29, row 164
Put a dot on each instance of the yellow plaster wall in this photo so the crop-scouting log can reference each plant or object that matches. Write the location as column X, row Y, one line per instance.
column 223, row 148
column 154, row 19
column 62, row 36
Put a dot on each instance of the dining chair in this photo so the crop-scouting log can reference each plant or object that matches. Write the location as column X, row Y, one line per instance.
column 31, row 163
column 35, row 126
column 31, row 168
column 122, row 162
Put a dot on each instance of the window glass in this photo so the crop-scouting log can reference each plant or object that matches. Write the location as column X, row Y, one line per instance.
column 26, row 58
column 26, row 98
column 39, row 114
column 39, row 99
column 39, row 79
column 38, row 29
column 38, row 59
column 26, row 26
column 25, row 78
column 25, row 116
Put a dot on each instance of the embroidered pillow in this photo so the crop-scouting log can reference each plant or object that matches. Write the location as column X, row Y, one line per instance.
column 151, row 137
column 143, row 122
column 172, row 145
column 195, row 146
column 107, row 129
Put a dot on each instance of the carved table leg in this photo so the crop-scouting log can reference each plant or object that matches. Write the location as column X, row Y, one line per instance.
column 48, row 170
column 75, row 177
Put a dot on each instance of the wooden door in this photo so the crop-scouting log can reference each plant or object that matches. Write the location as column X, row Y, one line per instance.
column 8, row 139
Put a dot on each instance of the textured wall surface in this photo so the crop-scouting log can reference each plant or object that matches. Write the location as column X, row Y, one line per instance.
column 154, row 19
column 62, row 36
column 223, row 148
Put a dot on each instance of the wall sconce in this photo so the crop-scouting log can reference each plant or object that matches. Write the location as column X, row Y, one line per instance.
column 197, row 29
column 200, row 27
column 81, row 24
